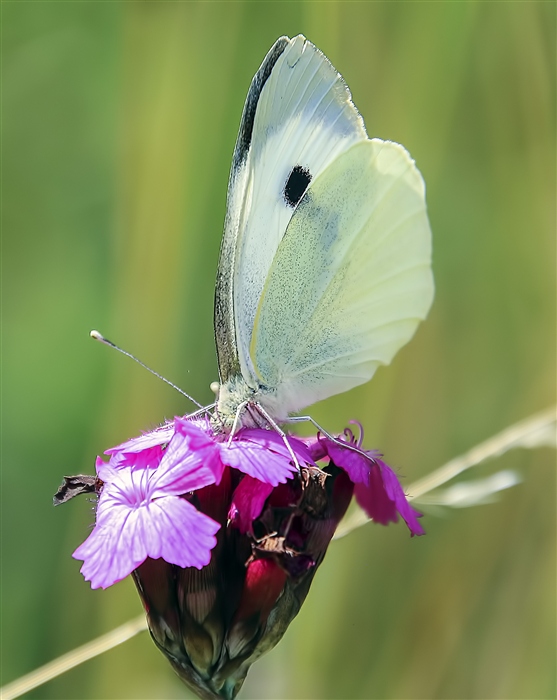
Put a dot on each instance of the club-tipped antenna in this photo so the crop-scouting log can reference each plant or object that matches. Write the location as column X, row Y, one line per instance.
column 98, row 336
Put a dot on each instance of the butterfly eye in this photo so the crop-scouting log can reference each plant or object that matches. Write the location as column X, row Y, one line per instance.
column 296, row 185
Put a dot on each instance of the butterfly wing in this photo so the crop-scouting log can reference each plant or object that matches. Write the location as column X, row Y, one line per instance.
column 350, row 279
column 298, row 118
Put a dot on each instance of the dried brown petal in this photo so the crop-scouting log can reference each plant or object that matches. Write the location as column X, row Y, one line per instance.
column 75, row 486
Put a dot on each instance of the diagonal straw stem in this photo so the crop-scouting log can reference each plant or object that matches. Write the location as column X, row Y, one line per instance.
column 536, row 431
column 73, row 658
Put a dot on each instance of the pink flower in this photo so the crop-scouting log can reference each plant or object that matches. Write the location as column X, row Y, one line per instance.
column 144, row 509
column 222, row 537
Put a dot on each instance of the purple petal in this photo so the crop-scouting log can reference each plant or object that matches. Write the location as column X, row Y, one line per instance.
column 384, row 498
column 247, row 502
column 395, row 492
column 263, row 455
column 190, row 462
column 257, row 461
column 169, row 527
column 356, row 464
column 111, row 552
column 374, row 500
column 377, row 488
column 316, row 447
column 106, row 471
column 154, row 438
column 149, row 458
column 129, row 488
column 271, row 440
column 176, row 531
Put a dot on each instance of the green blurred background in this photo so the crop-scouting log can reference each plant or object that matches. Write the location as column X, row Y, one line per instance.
column 119, row 121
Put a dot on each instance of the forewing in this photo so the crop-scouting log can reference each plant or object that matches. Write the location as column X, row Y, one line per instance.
column 350, row 280
column 298, row 118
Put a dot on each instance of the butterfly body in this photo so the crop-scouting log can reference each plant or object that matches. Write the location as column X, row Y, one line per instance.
column 325, row 264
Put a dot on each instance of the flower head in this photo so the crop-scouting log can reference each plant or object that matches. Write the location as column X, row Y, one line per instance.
column 146, row 509
column 223, row 537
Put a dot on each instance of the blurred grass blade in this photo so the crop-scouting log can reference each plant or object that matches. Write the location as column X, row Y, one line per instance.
column 539, row 430
column 73, row 658
column 536, row 431
column 472, row 493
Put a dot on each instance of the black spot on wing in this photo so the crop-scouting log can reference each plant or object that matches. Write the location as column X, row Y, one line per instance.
column 250, row 107
column 296, row 185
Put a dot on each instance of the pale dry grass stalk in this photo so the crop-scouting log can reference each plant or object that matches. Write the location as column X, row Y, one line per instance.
column 73, row 658
column 539, row 430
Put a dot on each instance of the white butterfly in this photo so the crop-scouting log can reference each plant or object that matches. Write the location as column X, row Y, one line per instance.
column 325, row 263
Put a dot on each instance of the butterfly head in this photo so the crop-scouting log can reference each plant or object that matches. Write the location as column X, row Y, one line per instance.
column 241, row 406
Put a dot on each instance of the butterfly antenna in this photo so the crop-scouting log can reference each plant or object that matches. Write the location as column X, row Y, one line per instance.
column 97, row 336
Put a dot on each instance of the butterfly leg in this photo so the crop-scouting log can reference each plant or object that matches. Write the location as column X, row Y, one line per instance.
column 236, row 424
column 338, row 441
column 280, row 431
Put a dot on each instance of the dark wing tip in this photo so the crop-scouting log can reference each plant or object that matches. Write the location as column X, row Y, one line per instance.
column 250, row 106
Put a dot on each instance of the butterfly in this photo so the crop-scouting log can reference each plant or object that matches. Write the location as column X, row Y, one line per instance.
column 325, row 262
